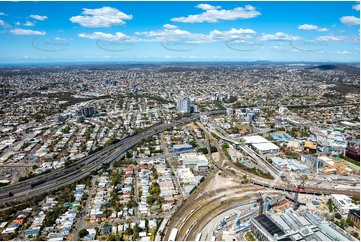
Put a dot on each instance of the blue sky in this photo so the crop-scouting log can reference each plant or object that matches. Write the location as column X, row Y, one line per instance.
column 33, row 32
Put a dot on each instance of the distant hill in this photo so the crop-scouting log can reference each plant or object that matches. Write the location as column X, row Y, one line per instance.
column 339, row 67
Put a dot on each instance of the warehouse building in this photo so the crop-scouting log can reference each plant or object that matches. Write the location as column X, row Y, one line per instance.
column 182, row 147
column 260, row 144
column 194, row 160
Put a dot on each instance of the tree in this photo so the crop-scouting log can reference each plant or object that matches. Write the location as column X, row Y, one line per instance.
column 136, row 232
column 129, row 231
column 82, row 233
column 349, row 222
column 338, row 216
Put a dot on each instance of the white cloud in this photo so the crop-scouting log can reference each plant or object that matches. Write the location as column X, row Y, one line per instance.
column 28, row 23
column 3, row 14
column 345, row 52
column 356, row 7
column 17, row 23
column 118, row 36
column 312, row 27
column 330, row 38
column 205, row 6
column 170, row 26
column 213, row 14
column 168, row 34
column 18, row 31
column 350, row 20
column 308, row 27
column 232, row 34
column 322, row 29
column 62, row 39
column 278, row 36
column 101, row 17
column 38, row 17
column 2, row 23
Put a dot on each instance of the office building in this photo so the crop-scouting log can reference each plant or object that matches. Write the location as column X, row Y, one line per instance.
column 296, row 227
column 229, row 111
column 87, row 111
column 343, row 203
column 184, row 105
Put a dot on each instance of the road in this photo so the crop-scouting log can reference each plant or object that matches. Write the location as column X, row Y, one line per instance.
column 81, row 221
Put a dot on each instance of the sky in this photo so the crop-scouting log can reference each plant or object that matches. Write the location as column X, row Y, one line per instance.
column 37, row 32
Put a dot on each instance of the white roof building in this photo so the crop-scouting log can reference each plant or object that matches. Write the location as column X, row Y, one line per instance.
column 261, row 144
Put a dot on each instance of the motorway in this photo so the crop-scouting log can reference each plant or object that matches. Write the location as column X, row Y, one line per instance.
column 58, row 178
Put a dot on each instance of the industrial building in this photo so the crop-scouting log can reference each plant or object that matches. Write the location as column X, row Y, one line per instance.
column 296, row 227
column 193, row 160
column 290, row 164
column 261, row 144
column 182, row 147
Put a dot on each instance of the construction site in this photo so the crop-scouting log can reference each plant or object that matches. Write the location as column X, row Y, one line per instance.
column 270, row 216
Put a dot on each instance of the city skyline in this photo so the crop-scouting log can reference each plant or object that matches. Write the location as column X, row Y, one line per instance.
column 35, row 32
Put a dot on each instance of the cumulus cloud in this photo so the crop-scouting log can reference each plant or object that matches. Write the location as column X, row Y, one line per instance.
column 118, row 36
column 18, row 31
column 278, row 36
column 205, row 6
column 213, row 14
column 28, row 23
column 101, row 17
column 170, row 26
column 350, row 20
column 356, row 7
column 38, row 17
column 330, row 38
column 312, row 27
column 3, row 14
column 2, row 23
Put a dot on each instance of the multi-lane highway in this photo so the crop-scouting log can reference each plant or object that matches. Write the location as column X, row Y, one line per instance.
column 80, row 169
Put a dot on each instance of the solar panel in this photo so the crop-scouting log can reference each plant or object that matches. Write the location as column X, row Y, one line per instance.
column 269, row 225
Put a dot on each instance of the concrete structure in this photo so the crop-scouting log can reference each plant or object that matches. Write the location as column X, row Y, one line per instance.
column 294, row 227
column 343, row 203
column 261, row 144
